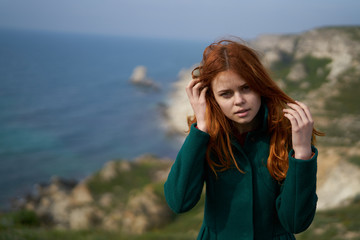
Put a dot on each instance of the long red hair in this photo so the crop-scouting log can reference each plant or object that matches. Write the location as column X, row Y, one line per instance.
column 241, row 59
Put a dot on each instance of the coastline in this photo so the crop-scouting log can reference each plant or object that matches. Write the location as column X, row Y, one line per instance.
column 178, row 107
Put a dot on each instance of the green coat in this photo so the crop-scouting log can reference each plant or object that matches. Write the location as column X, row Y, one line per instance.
column 243, row 206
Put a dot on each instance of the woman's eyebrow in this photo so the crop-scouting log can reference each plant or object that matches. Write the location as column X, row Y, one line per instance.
column 224, row 90
column 229, row 89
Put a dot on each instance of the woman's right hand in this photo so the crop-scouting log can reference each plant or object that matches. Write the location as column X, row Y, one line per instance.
column 196, row 94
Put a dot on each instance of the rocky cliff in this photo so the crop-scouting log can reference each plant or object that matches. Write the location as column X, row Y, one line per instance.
column 123, row 195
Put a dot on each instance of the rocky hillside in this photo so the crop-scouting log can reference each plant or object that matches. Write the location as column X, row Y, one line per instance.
column 320, row 67
column 123, row 195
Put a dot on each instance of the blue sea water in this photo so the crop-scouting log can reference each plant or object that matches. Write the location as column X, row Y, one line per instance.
column 67, row 107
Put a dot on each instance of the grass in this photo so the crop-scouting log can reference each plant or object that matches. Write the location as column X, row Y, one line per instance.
column 44, row 234
column 47, row 234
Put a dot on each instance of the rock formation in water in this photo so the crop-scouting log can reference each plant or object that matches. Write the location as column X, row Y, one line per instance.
column 139, row 78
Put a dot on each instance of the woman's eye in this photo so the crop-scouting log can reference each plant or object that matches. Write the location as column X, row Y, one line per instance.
column 246, row 88
column 225, row 94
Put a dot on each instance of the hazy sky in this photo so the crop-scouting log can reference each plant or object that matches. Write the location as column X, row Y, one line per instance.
column 182, row 19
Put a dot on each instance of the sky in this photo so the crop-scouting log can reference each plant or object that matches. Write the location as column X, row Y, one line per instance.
column 178, row 19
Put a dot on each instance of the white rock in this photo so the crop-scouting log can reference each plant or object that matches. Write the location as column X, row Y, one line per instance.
column 106, row 200
column 179, row 106
column 297, row 72
column 109, row 171
column 81, row 218
column 139, row 77
column 341, row 186
column 144, row 211
column 139, row 74
column 113, row 220
column 124, row 166
column 81, row 195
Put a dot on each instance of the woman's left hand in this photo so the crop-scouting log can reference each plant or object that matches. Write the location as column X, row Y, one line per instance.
column 302, row 126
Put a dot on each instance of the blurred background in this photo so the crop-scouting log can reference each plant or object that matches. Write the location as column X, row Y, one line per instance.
column 93, row 108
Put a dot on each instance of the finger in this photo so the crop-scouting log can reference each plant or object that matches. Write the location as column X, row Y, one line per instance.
column 292, row 120
column 192, row 83
column 196, row 89
column 306, row 110
column 188, row 91
column 190, row 86
column 303, row 118
column 295, row 114
column 203, row 93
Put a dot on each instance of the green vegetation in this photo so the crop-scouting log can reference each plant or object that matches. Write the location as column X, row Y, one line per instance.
column 282, row 68
column 47, row 234
column 348, row 101
column 125, row 182
column 355, row 160
column 315, row 70
column 345, row 106
column 184, row 226
column 22, row 218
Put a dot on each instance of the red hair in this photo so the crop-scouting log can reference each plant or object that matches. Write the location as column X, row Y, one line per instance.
column 235, row 56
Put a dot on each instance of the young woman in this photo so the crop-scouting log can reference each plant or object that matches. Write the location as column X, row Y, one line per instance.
column 252, row 145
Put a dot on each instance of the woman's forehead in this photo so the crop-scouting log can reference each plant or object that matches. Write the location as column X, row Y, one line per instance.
column 227, row 79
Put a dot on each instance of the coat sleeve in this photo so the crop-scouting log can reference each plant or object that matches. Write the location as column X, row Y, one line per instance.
column 296, row 203
column 185, row 182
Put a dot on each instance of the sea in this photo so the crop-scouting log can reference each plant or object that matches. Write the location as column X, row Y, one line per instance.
column 67, row 106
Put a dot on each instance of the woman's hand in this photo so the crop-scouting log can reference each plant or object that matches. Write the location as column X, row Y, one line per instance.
column 302, row 126
column 196, row 94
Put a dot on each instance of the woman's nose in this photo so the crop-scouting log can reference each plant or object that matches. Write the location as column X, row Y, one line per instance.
column 239, row 99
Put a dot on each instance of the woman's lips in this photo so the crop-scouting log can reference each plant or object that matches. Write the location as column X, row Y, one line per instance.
column 242, row 113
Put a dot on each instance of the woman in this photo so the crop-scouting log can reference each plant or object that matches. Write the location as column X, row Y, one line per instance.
column 252, row 145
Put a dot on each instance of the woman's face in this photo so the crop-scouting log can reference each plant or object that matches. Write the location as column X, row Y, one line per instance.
column 236, row 99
